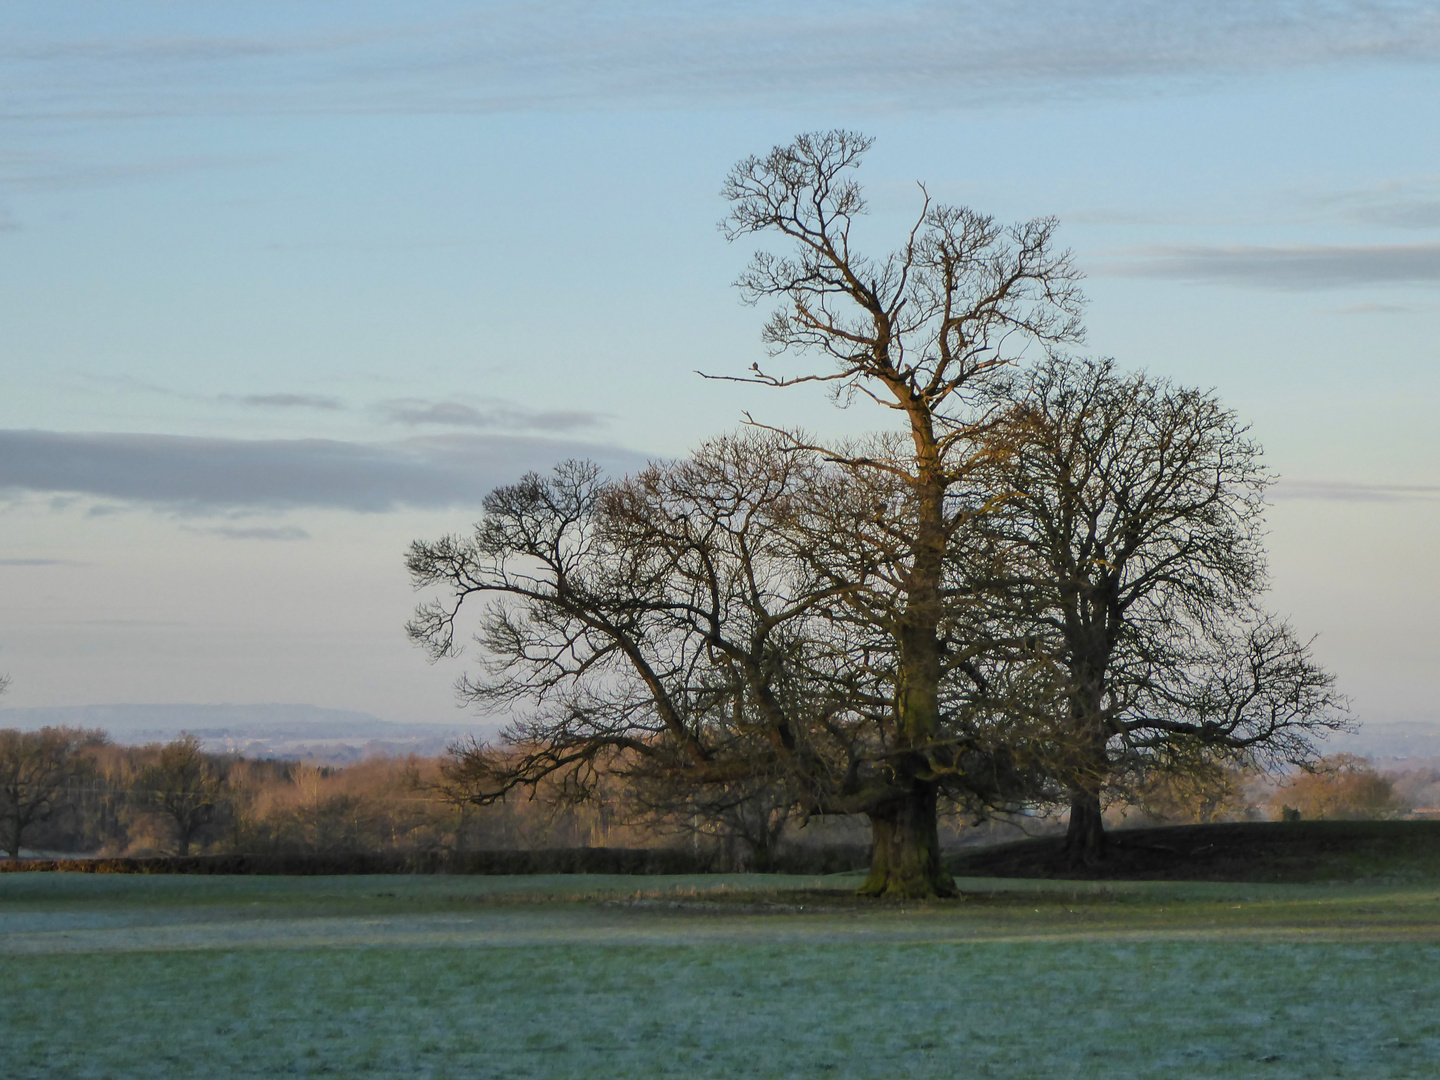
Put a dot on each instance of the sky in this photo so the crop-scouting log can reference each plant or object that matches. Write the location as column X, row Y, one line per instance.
column 286, row 286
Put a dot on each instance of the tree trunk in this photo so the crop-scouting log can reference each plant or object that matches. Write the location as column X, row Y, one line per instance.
column 905, row 855
column 905, row 849
column 12, row 842
column 1085, row 839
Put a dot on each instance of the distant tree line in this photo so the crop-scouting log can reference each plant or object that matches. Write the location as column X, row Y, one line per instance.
column 68, row 790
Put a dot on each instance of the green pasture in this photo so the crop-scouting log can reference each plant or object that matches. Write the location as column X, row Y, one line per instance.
column 599, row 977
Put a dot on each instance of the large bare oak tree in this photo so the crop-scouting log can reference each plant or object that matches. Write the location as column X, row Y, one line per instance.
column 1131, row 513
column 916, row 331
column 673, row 628
column 845, row 680
column 1034, row 576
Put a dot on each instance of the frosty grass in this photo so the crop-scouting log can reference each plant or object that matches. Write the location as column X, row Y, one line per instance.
column 601, row 977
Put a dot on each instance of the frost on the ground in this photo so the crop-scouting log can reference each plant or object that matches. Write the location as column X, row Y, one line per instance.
column 368, row 978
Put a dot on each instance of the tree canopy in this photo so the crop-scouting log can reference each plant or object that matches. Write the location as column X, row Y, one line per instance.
column 1039, row 572
column 1131, row 512
column 35, row 769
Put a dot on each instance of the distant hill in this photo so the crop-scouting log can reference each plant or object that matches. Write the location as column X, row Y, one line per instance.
column 341, row 735
column 334, row 736
column 1390, row 740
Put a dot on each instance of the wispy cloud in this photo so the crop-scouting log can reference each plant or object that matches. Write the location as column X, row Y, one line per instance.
column 38, row 562
column 515, row 55
column 1291, row 268
column 255, row 532
column 206, row 475
column 416, row 412
column 121, row 383
column 411, row 412
column 47, row 172
column 1354, row 491
column 1373, row 309
column 290, row 401
column 1400, row 204
column 118, row 382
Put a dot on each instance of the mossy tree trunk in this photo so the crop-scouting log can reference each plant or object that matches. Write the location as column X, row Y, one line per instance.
column 905, row 854
column 1085, row 839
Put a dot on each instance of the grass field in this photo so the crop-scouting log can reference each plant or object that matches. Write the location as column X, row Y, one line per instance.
column 596, row 977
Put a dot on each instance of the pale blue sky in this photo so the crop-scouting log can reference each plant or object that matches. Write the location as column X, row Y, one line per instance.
column 456, row 241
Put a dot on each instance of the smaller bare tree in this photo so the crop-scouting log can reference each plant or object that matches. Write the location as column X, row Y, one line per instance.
column 1203, row 790
column 35, row 769
column 183, row 786
column 1132, row 520
column 1342, row 787
column 744, row 819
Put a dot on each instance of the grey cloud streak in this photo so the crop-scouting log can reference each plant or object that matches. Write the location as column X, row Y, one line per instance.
column 256, row 532
column 1412, row 203
column 1373, row 309
column 204, row 475
column 516, row 56
column 457, row 414
column 290, row 401
column 1296, row 268
column 1412, row 214
column 1354, row 491
column 29, row 172
column 276, row 400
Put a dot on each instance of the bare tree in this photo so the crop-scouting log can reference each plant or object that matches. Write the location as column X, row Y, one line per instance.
column 1342, row 787
column 839, row 667
column 1207, row 790
column 1131, row 522
column 916, row 331
column 183, row 786
column 655, row 628
column 35, row 769
column 671, row 629
column 743, row 821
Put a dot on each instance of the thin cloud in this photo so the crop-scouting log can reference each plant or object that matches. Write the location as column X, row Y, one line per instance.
column 1414, row 214
column 1373, row 309
column 38, row 562
column 1397, row 204
column 207, row 475
column 1287, row 268
column 1354, row 491
column 27, row 172
column 112, row 383
column 416, row 413
column 536, row 55
column 290, row 401
column 118, row 382
column 255, row 532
